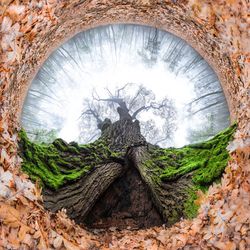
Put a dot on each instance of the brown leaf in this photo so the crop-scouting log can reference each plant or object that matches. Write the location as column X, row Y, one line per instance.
column 13, row 239
column 196, row 226
column 9, row 215
column 201, row 197
column 42, row 244
column 23, row 231
column 69, row 245
column 43, row 241
column 182, row 237
column 6, row 24
column 27, row 240
column 162, row 236
column 225, row 245
column 57, row 242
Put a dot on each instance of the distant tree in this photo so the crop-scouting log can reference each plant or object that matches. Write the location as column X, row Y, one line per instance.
column 206, row 130
column 43, row 135
column 151, row 49
column 211, row 109
column 129, row 102
column 174, row 55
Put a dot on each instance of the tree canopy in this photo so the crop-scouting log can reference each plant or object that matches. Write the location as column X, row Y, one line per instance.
column 131, row 102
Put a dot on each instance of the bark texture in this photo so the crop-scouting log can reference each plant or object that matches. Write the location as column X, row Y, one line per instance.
column 79, row 197
column 123, row 134
column 125, row 204
column 168, row 197
column 86, row 203
column 121, row 180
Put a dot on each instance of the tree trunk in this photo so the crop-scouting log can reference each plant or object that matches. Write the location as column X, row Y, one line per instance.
column 79, row 197
column 108, row 182
column 169, row 197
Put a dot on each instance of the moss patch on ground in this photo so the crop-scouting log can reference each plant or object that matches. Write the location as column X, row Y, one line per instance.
column 204, row 162
column 207, row 160
column 55, row 164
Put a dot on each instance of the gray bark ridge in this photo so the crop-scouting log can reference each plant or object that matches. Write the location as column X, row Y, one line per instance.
column 168, row 197
column 123, row 137
column 123, row 134
column 79, row 197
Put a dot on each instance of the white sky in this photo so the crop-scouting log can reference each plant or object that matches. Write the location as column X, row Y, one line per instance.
column 105, row 66
column 158, row 79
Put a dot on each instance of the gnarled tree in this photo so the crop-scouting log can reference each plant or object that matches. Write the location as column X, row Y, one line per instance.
column 129, row 102
column 120, row 179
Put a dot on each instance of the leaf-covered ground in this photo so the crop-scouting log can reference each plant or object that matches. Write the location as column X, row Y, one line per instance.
column 223, row 221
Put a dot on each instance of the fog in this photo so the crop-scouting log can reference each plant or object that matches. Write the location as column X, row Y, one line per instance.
column 107, row 58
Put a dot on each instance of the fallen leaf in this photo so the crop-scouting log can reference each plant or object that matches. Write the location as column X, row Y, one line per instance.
column 23, row 231
column 57, row 242
column 70, row 246
column 9, row 215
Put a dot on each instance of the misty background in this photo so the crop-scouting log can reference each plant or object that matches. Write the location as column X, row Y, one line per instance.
column 102, row 60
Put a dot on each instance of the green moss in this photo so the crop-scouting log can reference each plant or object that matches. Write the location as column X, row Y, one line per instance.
column 173, row 218
column 204, row 162
column 116, row 154
column 190, row 208
column 58, row 163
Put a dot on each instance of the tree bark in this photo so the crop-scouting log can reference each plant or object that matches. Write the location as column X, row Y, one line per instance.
column 123, row 134
column 170, row 176
column 168, row 197
column 79, row 197
column 123, row 137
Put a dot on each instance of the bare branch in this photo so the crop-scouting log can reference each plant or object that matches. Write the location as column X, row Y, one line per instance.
column 139, row 91
column 91, row 138
column 95, row 95
column 94, row 113
column 203, row 96
column 139, row 110
column 162, row 140
column 122, row 88
column 109, row 91
column 207, row 107
column 146, row 108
